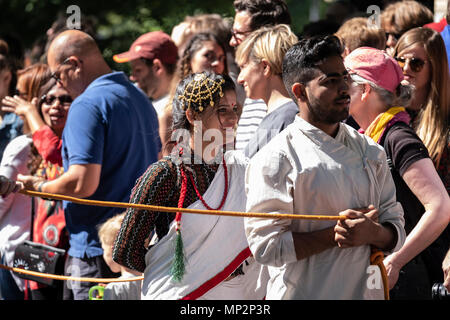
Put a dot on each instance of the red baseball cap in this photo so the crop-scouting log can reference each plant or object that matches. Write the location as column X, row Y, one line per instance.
column 376, row 66
column 151, row 45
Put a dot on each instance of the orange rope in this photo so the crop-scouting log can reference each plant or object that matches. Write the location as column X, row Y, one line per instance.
column 376, row 257
column 57, row 277
column 175, row 210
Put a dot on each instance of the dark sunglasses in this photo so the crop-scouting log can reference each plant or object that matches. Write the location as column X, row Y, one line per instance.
column 416, row 64
column 64, row 99
column 396, row 36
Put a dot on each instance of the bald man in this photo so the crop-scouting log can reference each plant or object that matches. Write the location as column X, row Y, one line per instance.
column 110, row 138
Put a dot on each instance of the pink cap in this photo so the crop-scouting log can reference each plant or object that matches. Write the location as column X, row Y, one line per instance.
column 376, row 66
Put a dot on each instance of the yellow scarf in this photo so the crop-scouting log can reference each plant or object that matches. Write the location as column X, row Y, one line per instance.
column 376, row 128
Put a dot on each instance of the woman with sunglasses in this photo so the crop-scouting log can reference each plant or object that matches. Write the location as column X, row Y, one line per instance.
column 376, row 104
column 198, row 174
column 421, row 54
column 45, row 114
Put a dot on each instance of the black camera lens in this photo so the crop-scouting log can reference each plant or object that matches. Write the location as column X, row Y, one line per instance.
column 439, row 292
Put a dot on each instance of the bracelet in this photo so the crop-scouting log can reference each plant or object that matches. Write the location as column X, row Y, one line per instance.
column 39, row 188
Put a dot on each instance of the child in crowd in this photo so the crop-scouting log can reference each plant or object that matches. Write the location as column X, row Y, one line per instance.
column 129, row 290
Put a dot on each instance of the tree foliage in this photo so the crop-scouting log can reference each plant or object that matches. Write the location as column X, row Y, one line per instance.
column 118, row 22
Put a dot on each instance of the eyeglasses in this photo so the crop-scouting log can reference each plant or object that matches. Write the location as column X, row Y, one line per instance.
column 63, row 100
column 55, row 75
column 239, row 34
column 416, row 64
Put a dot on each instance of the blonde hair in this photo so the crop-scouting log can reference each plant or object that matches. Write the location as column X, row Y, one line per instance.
column 107, row 231
column 432, row 124
column 270, row 43
column 355, row 33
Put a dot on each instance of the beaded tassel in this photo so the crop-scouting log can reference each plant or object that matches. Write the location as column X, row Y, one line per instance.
column 178, row 267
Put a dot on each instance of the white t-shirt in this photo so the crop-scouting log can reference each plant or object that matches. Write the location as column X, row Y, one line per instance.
column 15, row 209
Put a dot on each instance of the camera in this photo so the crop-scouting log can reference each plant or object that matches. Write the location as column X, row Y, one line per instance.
column 439, row 292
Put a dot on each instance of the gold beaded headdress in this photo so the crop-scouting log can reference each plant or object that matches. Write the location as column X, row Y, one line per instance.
column 200, row 89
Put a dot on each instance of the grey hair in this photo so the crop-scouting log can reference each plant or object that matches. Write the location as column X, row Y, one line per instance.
column 402, row 96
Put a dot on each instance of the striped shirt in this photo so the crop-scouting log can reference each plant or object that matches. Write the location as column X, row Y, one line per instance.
column 252, row 114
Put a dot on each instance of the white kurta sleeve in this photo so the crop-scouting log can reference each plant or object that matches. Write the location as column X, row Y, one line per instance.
column 269, row 189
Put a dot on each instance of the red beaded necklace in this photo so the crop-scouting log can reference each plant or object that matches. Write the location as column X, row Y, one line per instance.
column 183, row 190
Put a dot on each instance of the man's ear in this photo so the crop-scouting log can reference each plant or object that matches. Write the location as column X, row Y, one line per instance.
column 299, row 91
column 76, row 62
column 157, row 66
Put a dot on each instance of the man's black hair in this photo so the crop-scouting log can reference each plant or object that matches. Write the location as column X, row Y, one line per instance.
column 264, row 12
column 301, row 61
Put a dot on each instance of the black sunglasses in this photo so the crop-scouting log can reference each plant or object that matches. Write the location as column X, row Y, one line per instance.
column 396, row 36
column 64, row 99
column 416, row 64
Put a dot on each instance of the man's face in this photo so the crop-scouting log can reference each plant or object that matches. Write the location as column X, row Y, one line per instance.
column 328, row 95
column 142, row 74
column 68, row 75
column 241, row 28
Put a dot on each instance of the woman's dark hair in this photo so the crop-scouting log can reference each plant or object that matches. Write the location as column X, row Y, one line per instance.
column 301, row 61
column 195, row 44
column 185, row 86
column 207, row 80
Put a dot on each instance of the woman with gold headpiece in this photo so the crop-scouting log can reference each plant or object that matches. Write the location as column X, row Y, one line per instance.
column 193, row 256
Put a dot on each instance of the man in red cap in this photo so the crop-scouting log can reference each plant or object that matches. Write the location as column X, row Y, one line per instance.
column 153, row 58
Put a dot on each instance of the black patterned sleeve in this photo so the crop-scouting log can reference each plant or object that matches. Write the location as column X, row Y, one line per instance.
column 154, row 187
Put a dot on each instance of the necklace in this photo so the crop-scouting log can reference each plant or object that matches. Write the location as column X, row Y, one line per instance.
column 225, row 191
column 183, row 190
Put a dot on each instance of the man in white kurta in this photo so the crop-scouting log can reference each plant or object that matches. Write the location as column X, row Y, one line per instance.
column 318, row 166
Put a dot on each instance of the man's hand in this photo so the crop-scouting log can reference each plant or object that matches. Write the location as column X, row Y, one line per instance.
column 30, row 182
column 7, row 186
column 358, row 229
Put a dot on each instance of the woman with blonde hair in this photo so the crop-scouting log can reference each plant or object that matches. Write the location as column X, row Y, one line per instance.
column 260, row 57
column 422, row 56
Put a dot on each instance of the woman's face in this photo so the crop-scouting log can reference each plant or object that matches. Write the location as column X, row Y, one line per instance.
column 209, row 57
column 251, row 77
column 416, row 67
column 55, row 108
column 222, row 117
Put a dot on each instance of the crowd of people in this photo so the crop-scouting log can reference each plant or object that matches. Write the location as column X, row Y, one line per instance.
column 347, row 119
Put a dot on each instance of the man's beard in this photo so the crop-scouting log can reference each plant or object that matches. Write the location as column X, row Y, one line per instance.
column 323, row 114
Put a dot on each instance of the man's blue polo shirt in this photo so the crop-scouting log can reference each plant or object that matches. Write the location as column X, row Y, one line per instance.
column 114, row 124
